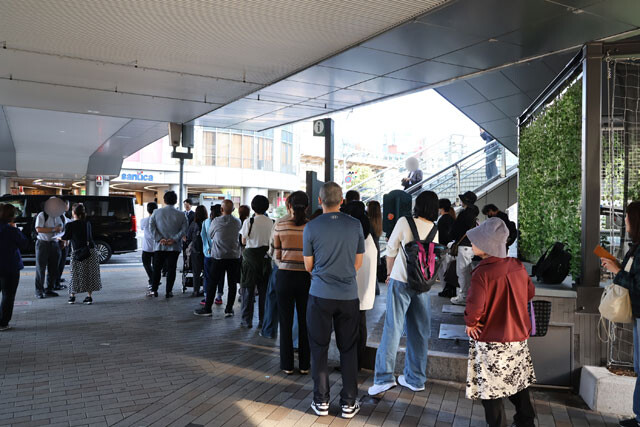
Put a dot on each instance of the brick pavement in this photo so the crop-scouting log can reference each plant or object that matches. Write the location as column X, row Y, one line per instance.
column 133, row 361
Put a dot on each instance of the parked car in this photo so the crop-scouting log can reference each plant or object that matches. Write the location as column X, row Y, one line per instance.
column 112, row 219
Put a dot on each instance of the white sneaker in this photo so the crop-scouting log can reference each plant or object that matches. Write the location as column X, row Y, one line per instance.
column 381, row 388
column 349, row 412
column 321, row 409
column 458, row 300
column 403, row 382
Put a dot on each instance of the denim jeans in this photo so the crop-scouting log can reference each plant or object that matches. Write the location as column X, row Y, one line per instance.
column 636, row 366
column 270, row 322
column 410, row 309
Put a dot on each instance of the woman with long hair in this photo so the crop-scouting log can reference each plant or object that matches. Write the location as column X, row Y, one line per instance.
column 85, row 264
column 374, row 212
column 13, row 240
column 195, row 249
column 627, row 275
column 406, row 308
column 292, row 283
column 216, row 211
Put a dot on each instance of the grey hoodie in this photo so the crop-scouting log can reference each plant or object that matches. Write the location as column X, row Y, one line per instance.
column 223, row 232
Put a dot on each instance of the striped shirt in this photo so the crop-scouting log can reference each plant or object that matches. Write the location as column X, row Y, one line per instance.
column 287, row 245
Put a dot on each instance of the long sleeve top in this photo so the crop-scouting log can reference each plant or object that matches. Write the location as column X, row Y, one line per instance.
column 629, row 277
column 445, row 225
column 498, row 297
column 13, row 241
column 220, row 237
column 287, row 245
column 194, row 236
column 465, row 221
column 79, row 233
column 168, row 223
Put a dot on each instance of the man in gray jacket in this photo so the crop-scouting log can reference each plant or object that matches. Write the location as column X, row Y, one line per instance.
column 224, row 243
column 167, row 225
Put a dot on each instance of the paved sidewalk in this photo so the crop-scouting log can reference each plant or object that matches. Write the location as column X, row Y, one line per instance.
column 129, row 360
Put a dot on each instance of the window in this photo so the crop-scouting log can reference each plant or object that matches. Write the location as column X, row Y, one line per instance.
column 286, row 153
column 247, row 151
column 19, row 205
column 222, row 149
column 236, row 151
column 208, row 149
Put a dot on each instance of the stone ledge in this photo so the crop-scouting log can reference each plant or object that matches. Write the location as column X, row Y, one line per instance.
column 606, row 392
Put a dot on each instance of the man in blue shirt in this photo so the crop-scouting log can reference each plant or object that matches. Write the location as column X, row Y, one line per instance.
column 333, row 247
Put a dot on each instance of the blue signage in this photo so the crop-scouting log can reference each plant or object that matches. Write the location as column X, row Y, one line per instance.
column 136, row 177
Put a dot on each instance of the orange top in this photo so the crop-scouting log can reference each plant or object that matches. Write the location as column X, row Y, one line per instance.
column 287, row 245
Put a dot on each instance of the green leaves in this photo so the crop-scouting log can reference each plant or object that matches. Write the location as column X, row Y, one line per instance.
column 550, row 176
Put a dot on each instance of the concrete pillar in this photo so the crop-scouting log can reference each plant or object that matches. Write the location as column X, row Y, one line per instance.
column 176, row 188
column 4, row 186
column 90, row 187
column 104, row 190
column 249, row 193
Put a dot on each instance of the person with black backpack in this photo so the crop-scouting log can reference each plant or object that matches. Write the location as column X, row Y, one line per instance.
column 408, row 304
column 49, row 227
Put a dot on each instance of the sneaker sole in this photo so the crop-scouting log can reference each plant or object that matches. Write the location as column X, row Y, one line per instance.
column 350, row 415
column 320, row 412
column 203, row 314
column 410, row 387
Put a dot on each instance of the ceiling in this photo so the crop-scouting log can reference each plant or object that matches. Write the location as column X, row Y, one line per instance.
column 88, row 66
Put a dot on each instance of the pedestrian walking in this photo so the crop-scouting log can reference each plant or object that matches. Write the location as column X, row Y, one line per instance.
column 406, row 308
column 85, row 262
column 333, row 248
column 498, row 325
column 148, row 244
column 13, row 241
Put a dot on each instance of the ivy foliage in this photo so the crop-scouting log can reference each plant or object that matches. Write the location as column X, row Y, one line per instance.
column 550, row 177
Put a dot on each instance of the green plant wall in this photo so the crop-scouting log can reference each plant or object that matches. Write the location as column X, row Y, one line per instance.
column 549, row 184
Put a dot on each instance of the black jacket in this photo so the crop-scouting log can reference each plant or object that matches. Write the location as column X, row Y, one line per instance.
column 193, row 236
column 79, row 233
column 445, row 225
column 513, row 231
column 466, row 220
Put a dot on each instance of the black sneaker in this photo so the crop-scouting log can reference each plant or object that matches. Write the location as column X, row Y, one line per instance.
column 350, row 411
column 202, row 312
column 321, row 409
column 51, row 294
column 169, row 295
column 40, row 296
column 228, row 314
column 72, row 300
column 88, row 301
column 631, row 422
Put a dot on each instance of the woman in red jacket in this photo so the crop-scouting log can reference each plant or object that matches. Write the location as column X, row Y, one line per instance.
column 498, row 324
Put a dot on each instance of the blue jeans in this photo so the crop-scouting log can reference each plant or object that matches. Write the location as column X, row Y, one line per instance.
column 636, row 366
column 270, row 322
column 412, row 310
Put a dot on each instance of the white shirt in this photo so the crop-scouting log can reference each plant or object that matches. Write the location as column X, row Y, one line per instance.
column 260, row 232
column 147, row 239
column 51, row 222
column 367, row 275
column 400, row 236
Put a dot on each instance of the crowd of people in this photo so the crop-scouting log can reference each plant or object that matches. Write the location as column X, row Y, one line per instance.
column 314, row 275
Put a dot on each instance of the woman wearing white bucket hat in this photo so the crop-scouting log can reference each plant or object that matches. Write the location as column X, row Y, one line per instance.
column 498, row 324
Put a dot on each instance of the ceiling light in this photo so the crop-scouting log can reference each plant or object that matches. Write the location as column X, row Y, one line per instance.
column 61, row 131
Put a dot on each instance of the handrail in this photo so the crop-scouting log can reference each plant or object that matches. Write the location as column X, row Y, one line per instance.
column 401, row 162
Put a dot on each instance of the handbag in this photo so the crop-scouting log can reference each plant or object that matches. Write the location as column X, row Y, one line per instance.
column 84, row 252
column 615, row 304
column 453, row 250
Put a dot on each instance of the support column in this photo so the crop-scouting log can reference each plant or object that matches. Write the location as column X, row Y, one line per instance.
column 248, row 193
column 329, row 151
column 4, row 186
column 588, row 295
column 90, row 187
column 104, row 189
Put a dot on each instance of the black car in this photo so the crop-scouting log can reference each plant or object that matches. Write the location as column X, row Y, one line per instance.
column 112, row 219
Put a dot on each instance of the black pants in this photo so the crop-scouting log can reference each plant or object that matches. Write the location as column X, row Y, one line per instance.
column 362, row 337
column 9, row 286
column 197, row 266
column 147, row 262
column 218, row 268
column 525, row 414
column 47, row 258
column 170, row 259
column 292, row 292
column 64, row 253
column 343, row 314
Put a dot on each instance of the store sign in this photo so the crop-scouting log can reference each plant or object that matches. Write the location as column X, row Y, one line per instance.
column 99, row 180
column 140, row 176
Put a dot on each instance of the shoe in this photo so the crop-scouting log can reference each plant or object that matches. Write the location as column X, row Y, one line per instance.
column 51, row 294
column 403, row 382
column 246, row 325
column 72, row 300
column 5, row 328
column 203, row 302
column 376, row 389
column 40, row 296
column 228, row 314
column 169, row 295
column 266, row 336
column 304, row 372
column 59, row 288
column 202, row 312
column 217, row 301
column 321, row 409
column 350, row 411
column 631, row 422
column 152, row 294
column 88, row 301
column 287, row 372
column 459, row 300
column 447, row 293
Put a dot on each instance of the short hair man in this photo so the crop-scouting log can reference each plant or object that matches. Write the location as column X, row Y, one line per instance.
column 351, row 196
column 222, row 248
column 49, row 228
column 168, row 225
column 333, row 249
column 191, row 215
column 491, row 211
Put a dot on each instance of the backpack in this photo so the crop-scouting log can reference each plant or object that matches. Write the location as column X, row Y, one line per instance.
column 423, row 258
column 553, row 266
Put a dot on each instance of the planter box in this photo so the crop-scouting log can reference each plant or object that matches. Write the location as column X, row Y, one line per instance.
column 606, row 392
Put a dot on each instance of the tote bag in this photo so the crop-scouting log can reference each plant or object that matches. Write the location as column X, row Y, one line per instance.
column 615, row 304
